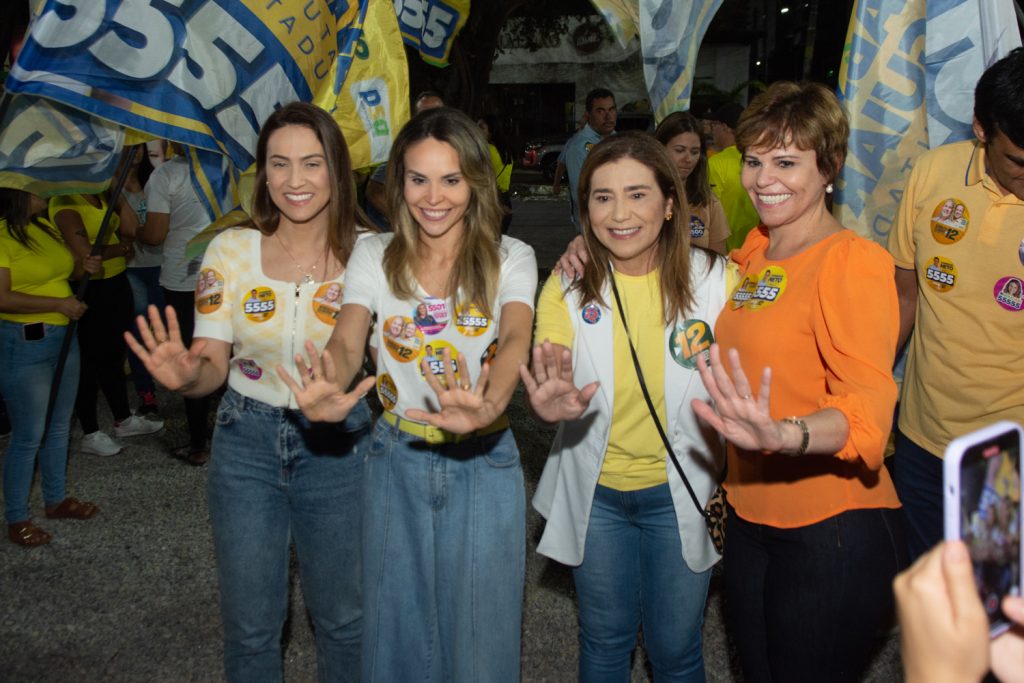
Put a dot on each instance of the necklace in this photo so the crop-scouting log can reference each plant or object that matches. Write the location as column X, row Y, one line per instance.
column 307, row 276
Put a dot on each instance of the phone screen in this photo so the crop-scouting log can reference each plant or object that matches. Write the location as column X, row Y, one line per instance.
column 990, row 518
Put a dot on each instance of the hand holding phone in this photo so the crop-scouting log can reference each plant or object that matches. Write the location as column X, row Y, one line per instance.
column 982, row 484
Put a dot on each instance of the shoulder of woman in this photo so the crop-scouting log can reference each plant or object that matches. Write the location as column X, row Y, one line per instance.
column 850, row 249
column 512, row 248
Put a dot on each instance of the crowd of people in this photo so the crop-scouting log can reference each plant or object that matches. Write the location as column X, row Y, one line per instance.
column 670, row 367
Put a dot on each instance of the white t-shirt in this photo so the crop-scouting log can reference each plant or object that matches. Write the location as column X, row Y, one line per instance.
column 266, row 321
column 169, row 190
column 409, row 330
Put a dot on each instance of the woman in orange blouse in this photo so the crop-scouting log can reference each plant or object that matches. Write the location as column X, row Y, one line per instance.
column 813, row 537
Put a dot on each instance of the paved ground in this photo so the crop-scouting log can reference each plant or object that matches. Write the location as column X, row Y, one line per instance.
column 131, row 595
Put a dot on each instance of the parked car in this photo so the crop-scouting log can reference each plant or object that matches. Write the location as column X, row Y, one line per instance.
column 542, row 154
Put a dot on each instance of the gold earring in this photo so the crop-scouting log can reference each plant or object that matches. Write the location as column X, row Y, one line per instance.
column 668, row 216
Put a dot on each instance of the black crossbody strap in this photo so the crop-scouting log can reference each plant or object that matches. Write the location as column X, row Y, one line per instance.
column 650, row 403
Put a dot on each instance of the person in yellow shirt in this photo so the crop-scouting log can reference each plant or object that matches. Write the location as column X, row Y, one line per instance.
column 724, row 171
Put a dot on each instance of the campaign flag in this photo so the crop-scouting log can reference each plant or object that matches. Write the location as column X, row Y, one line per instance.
column 49, row 148
column 670, row 35
column 962, row 39
column 430, row 26
column 373, row 103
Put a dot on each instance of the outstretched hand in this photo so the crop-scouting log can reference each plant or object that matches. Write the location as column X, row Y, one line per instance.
column 734, row 411
column 321, row 397
column 162, row 351
column 463, row 407
column 550, row 389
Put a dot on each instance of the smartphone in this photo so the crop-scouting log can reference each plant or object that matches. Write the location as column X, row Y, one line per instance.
column 981, row 480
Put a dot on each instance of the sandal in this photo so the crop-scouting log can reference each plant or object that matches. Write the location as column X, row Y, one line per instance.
column 27, row 534
column 72, row 508
column 196, row 458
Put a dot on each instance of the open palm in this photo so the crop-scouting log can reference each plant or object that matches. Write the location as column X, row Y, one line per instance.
column 551, row 391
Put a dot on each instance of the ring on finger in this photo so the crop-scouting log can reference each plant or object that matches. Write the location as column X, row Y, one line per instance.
column 747, row 397
column 466, row 386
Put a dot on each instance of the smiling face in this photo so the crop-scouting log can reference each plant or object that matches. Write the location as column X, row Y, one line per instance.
column 685, row 152
column 395, row 327
column 297, row 175
column 947, row 209
column 333, row 292
column 784, row 183
column 434, row 189
column 627, row 209
column 409, row 331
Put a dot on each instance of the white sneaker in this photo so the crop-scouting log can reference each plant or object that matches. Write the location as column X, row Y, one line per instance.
column 137, row 426
column 99, row 443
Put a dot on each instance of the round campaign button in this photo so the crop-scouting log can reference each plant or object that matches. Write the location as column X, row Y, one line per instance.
column 591, row 314
column 209, row 290
column 327, row 302
column 696, row 227
column 470, row 320
column 689, row 339
column 433, row 353
column 949, row 221
column 488, row 355
column 387, row 392
column 940, row 274
column 250, row 369
column 259, row 304
column 1008, row 293
column 402, row 338
column 431, row 315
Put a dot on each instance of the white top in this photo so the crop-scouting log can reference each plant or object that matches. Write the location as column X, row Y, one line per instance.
column 266, row 321
column 409, row 330
column 170, row 191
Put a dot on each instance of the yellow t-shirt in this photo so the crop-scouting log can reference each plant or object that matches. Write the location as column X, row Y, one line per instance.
column 635, row 458
column 724, row 173
column 41, row 270
column 92, row 218
column 502, row 171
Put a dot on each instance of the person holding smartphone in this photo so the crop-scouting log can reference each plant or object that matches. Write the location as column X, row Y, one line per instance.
column 36, row 304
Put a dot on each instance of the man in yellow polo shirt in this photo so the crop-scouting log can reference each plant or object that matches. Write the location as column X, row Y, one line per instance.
column 958, row 242
column 724, row 173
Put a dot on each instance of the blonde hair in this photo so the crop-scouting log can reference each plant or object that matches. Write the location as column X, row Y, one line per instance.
column 673, row 254
column 474, row 274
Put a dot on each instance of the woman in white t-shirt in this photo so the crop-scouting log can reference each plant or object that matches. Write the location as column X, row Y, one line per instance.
column 444, row 522
column 274, row 476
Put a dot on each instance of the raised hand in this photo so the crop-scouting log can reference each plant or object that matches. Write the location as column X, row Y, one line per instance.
column 321, row 398
column 163, row 353
column 463, row 407
column 735, row 412
column 551, row 391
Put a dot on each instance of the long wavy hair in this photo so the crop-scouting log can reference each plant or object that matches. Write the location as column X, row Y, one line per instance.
column 697, row 184
column 474, row 275
column 16, row 213
column 344, row 218
column 673, row 253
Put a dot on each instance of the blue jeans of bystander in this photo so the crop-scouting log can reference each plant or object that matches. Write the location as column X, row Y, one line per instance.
column 274, row 478
column 145, row 283
column 444, row 545
column 633, row 572
column 28, row 370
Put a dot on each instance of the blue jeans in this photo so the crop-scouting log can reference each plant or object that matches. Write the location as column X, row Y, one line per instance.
column 275, row 478
column 27, row 372
column 917, row 475
column 805, row 604
column 145, row 283
column 444, row 547
column 633, row 572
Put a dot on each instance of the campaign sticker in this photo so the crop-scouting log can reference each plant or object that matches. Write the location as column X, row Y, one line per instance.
column 470, row 320
column 327, row 302
column 696, row 227
column 771, row 283
column 591, row 314
column 949, row 221
column 689, row 339
column 1008, row 293
column 402, row 338
column 431, row 315
column 940, row 274
column 387, row 392
column 209, row 290
column 259, row 304
column 433, row 353
column 744, row 292
column 250, row 369
column 488, row 355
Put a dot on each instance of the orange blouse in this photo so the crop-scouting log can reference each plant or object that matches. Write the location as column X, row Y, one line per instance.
column 826, row 322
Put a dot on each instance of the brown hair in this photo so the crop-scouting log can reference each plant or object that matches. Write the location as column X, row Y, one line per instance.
column 16, row 214
column 806, row 115
column 673, row 255
column 698, row 187
column 343, row 213
column 474, row 275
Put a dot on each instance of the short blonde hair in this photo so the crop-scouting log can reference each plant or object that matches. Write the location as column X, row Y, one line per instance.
column 806, row 115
